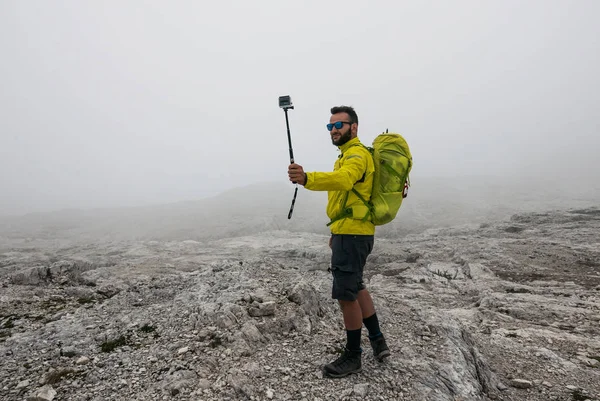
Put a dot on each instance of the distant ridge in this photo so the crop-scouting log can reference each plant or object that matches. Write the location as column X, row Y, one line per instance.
column 432, row 202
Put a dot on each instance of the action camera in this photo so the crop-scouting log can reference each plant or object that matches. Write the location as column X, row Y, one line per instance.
column 285, row 102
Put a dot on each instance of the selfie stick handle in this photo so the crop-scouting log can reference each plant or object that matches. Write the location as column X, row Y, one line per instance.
column 287, row 123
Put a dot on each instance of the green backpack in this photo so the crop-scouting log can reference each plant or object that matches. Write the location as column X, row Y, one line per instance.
column 393, row 162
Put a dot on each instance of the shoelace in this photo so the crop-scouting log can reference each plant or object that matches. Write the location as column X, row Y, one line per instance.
column 342, row 361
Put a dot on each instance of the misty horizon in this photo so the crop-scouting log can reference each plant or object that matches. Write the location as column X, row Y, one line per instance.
column 464, row 186
column 105, row 107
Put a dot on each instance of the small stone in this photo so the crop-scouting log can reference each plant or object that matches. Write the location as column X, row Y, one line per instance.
column 23, row 384
column 203, row 384
column 270, row 394
column 262, row 309
column 82, row 360
column 69, row 352
column 360, row 390
column 546, row 384
column 183, row 350
column 520, row 383
column 571, row 387
column 46, row 393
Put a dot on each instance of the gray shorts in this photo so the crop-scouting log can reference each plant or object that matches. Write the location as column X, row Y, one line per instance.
column 348, row 258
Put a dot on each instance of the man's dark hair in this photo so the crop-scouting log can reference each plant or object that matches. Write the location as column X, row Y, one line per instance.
column 345, row 109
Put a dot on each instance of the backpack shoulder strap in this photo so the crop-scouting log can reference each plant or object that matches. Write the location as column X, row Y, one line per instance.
column 347, row 212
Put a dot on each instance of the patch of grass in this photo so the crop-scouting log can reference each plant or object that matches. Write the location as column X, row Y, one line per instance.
column 514, row 229
column 109, row 346
column 446, row 274
column 412, row 258
column 577, row 396
column 215, row 342
column 53, row 304
column 518, row 291
column 147, row 328
column 58, row 375
column 9, row 323
column 86, row 300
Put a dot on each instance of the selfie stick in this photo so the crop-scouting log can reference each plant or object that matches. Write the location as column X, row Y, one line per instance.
column 285, row 102
column 287, row 124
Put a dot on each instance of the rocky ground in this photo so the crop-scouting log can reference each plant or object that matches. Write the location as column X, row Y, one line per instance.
column 507, row 310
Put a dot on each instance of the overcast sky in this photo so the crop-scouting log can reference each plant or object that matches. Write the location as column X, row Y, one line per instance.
column 106, row 103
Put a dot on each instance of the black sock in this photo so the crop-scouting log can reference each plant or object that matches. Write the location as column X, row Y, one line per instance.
column 372, row 324
column 353, row 339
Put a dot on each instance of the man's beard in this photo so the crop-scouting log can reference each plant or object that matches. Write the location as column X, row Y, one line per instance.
column 343, row 139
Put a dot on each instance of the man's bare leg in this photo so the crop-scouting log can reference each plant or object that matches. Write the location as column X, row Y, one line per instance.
column 352, row 313
column 366, row 303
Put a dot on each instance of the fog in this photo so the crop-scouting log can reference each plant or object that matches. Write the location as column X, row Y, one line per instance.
column 106, row 104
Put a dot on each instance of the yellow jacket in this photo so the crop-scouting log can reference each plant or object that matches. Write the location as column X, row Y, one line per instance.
column 353, row 168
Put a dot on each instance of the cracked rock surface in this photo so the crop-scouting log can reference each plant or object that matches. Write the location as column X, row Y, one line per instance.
column 506, row 310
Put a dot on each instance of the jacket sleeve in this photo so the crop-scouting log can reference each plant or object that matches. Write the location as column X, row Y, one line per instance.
column 343, row 179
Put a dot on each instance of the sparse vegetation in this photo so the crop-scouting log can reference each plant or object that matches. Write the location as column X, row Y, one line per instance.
column 147, row 329
column 215, row 342
column 8, row 324
column 86, row 300
column 578, row 396
column 111, row 345
column 53, row 304
column 445, row 274
column 413, row 257
column 4, row 334
column 57, row 375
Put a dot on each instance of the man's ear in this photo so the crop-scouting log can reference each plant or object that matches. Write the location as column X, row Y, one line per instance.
column 354, row 129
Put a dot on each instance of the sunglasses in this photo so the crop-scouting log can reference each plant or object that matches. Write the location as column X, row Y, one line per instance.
column 337, row 124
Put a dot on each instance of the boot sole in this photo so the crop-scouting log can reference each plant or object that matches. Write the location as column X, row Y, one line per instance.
column 339, row 375
column 382, row 355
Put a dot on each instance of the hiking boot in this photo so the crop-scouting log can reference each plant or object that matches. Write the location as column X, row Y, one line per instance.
column 349, row 362
column 380, row 348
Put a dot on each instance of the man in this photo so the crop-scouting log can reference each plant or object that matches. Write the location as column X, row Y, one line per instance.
column 352, row 236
